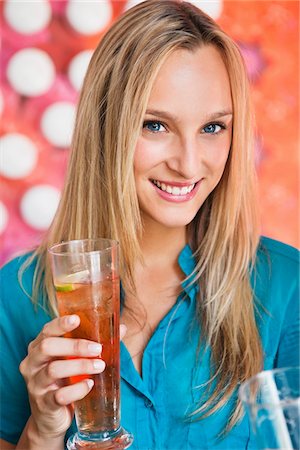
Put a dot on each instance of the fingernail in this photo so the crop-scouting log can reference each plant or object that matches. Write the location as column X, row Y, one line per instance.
column 90, row 383
column 98, row 364
column 123, row 330
column 72, row 319
column 123, row 327
column 95, row 348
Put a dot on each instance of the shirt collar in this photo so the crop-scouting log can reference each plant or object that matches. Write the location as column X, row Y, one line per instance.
column 186, row 260
column 187, row 264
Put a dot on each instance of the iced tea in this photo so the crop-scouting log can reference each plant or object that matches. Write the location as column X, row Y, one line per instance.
column 97, row 305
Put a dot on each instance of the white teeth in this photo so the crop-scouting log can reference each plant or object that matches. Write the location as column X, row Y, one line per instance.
column 184, row 190
column 174, row 190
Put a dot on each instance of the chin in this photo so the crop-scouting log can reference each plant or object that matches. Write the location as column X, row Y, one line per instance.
column 171, row 220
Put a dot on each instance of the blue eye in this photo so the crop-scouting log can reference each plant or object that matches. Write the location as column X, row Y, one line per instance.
column 213, row 128
column 153, row 126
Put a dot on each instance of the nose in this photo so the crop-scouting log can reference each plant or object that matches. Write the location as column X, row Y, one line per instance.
column 186, row 158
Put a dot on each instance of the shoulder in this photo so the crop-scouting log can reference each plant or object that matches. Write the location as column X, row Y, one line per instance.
column 19, row 314
column 278, row 250
column 16, row 277
column 10, row 270
column 275, row 282
column 276, row 259
column 275, row 278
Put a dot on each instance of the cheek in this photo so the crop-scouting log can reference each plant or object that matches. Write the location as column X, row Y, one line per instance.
column 140, row 160
column 217, row 158
column 147, row 155
column 223, row 157
column 222, row 150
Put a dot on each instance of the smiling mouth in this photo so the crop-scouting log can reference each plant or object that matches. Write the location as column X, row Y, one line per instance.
column 174, row 190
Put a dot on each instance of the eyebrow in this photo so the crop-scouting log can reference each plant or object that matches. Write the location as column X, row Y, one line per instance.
column 166, row 115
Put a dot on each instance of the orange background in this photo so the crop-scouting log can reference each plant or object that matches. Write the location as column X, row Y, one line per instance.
column 272, row 28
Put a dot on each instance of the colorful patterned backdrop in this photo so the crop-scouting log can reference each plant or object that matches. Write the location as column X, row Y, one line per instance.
column 46, row 46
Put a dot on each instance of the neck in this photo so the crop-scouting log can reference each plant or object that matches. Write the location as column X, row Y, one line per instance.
column 162, row 245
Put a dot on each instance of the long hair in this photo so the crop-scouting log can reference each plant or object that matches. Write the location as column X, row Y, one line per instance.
column 99, row 197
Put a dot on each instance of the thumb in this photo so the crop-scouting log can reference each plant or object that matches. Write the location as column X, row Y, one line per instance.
column 123, row 330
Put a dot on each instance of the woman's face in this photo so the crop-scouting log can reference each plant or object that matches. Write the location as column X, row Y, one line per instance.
column 184, row 144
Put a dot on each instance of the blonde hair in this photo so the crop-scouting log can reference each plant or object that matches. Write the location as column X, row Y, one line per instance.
column 99, row 196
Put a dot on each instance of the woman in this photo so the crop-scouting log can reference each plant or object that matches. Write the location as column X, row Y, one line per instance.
column 161, row 161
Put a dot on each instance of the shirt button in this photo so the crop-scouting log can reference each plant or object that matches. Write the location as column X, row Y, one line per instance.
column 148, row 403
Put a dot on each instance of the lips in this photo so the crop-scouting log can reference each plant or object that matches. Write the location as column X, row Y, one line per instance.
column 176, row 192
column 174, row 189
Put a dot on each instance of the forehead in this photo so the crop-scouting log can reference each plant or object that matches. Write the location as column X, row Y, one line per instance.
column 192, row 80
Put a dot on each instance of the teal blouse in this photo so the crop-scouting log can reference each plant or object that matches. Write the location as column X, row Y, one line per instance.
column 156, row 408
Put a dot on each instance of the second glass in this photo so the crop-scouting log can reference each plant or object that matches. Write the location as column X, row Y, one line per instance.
column 271, row 398
column 87, row 283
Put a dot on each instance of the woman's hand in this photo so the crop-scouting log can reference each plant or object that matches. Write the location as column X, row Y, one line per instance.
column 44, row 371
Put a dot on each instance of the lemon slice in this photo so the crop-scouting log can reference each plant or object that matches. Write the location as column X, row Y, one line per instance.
column 64, row 287
column 77, row 277
column 66, row 283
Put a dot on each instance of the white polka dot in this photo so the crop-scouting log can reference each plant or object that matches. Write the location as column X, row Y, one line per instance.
column 38, row 206
column 57, row 123
column 211, row 7
column 27, row 17
column 3, row 217
column 18, row 155
column 31, row 72
column 89, row 17
column 78, row 67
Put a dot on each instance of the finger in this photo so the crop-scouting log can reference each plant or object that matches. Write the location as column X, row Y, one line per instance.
column 58, row 370
column 70, row 394
column 123, row 330
column 56, row 327
column 59, row 326
column 57, row 347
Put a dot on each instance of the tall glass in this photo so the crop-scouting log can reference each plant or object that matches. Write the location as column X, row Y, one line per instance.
column 86, row 279
column 271, row 398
